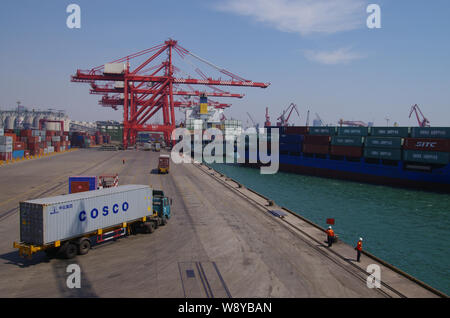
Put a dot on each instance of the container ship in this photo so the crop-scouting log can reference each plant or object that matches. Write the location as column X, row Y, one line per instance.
column 412, row 157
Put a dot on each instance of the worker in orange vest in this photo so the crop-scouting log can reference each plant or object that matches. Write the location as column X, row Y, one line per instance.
column 358, row 249
column 330, row 236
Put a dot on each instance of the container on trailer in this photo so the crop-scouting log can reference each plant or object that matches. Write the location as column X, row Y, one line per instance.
column 389, row 131
column 352, row 131
column 355, row 141
column 316, row 149
column 82, row 183
column 426, row 156
column 383, row 153
column 325, row 131
column 47, row 220
column 316, row 140
column 296, row 130
column 347, row 151
column 2, row 131
column 427, row 144
column 383, row 142
column 430, row 132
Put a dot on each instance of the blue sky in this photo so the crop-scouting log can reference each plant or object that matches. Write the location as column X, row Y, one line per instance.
column 316, row 54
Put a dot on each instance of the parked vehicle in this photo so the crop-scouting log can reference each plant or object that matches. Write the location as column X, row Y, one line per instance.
column 163, row 164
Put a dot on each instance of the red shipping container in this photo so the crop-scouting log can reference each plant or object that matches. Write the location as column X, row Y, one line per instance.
column 18, row 145
column 56, row 144
column 57, row 148
column 296, row 130
column 348, row 151
column 5, row 156
column 317, row 140
column 26, row 133
column 427, row 144
column 316, row 149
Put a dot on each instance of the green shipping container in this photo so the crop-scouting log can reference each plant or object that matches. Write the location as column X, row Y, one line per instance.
column 426, row 156
column 325, row 131
column 430, row 132
column 389, row 131
column 384, row 142
column 347, row 141
column 353, row 131
column 383, row 153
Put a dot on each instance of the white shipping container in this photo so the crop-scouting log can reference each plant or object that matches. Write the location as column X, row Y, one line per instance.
column 6, row 148
column 45, row 151
column 51, row 149
column 59, row 218
column 114, row 68
column 56, row 138
column 6, row 140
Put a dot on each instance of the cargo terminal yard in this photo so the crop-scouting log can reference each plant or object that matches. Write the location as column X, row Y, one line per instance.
column 221, row 240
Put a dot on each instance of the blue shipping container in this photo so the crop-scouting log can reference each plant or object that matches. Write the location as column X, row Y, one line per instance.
column 291, row 139
column 91, row 180
column 16, row 154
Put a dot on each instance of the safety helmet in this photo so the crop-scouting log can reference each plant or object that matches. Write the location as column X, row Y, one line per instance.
column 329, row 227
column 360, row 238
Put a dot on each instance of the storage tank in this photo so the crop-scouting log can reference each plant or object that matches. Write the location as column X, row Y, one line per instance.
column 9, row 121
column 51, row 125
column 28, row 121
column 36, row 119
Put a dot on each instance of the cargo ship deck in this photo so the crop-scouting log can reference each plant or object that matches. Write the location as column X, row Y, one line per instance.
column 220, row 242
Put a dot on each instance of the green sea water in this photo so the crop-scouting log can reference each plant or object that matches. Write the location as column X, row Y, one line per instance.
column 407, row 228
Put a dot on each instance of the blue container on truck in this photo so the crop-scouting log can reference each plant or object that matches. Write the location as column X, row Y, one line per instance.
column 82, row 183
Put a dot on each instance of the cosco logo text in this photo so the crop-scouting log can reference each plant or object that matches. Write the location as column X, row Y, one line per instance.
column 94, row 213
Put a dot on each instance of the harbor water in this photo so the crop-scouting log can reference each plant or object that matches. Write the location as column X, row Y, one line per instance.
column 408, row 229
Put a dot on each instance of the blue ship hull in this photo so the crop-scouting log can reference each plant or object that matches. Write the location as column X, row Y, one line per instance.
column 400, row 174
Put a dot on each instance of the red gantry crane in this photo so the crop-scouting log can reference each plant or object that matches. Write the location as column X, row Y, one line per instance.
column 422, row 122
column 146, row 90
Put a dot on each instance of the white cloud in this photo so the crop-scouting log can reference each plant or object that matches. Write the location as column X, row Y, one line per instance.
column 339, row 56
column 302, row 16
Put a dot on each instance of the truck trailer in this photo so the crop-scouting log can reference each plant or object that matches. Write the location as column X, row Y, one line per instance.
column 70, row 224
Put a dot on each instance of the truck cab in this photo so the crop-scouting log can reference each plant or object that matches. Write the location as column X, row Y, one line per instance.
column 163, row 164
column 161, row 204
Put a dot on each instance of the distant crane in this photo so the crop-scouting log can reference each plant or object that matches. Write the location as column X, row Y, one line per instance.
column 387, row 121
column 267, row 122
column 422, row 123
column 319, row 120
column 283, row 120
column 307, row 119
column 256, row 125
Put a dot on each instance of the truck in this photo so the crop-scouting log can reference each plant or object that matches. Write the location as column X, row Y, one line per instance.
column 163, row 163
column 157, row 146
column 71, row 224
